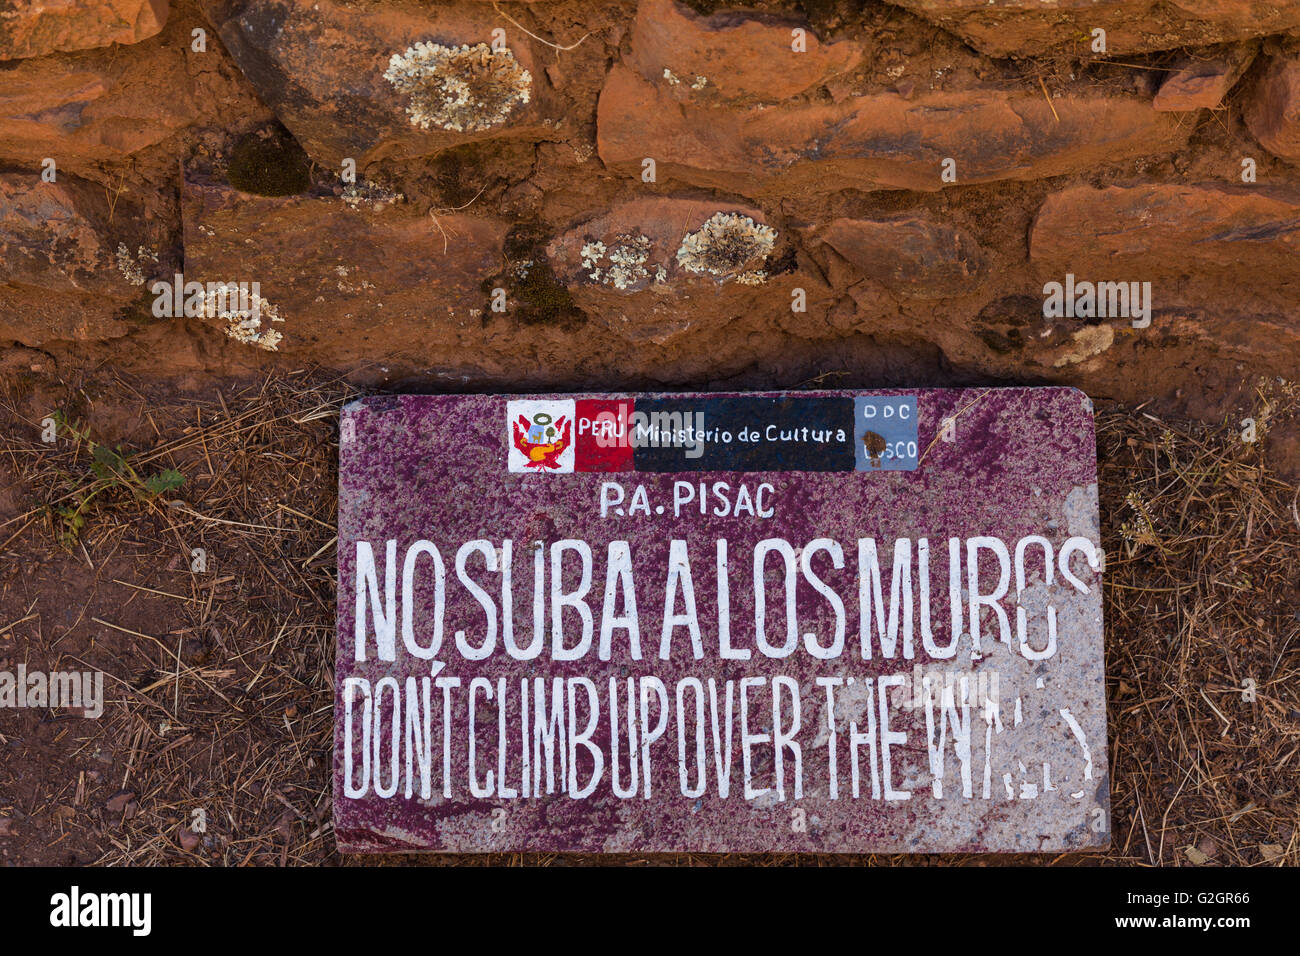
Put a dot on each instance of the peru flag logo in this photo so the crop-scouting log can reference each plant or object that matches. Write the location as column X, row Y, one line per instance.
column 541, row 436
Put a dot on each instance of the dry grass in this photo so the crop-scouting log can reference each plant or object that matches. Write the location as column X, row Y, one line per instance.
column 219, row 682
column 220, row 687
column 1203, row 597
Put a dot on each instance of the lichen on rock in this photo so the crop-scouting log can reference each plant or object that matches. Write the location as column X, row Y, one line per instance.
column 1086, row 343
column 132, row 267
column 370, row 196
column 463, row 89
column 725, row 245
column 243, row 315
column 625, row 261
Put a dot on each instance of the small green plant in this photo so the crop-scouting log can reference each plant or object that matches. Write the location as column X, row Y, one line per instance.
column 110, row 470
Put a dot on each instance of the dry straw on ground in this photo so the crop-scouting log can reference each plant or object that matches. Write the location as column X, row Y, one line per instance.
column 220, row 686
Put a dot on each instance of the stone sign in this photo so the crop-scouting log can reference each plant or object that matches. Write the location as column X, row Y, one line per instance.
column 796, row 621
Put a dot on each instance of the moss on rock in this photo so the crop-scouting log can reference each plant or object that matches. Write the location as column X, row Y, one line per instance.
column 269, row 164
column 539, row 297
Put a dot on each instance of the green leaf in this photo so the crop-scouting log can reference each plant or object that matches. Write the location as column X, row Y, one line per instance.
column 165, row 480
column 109, row 458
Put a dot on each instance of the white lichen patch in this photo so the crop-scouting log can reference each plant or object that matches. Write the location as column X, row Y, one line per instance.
column 357, row 196
column 1087, row 343
column 248, row 317
column 699, row 83
column 591, row 254
column 724, row 245
column 627, row 262
column 350, row 287
column 463, row 89
column 674, row 79
column 623, row 264
column 132, row 267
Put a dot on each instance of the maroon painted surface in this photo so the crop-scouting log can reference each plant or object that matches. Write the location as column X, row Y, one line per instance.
column 1023, row 463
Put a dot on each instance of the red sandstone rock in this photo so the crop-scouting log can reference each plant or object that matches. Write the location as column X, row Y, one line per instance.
column 1025, row 28
column 652, row 269
column 879, row 141
column 912, row 256
column 635, row 245
column 364, row 277
column 93, row 107
column 1162, row 230
column 1202, row 84
column 320, row 66
column 1273, row 113
column 129, row 107
column 53, row 26
column 71, row 266
column 721, row 58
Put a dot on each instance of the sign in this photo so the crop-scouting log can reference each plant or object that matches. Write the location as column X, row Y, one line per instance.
column 795, row 621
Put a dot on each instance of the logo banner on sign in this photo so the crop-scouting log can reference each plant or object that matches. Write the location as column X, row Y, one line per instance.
column 541, row 435
column 885, row 432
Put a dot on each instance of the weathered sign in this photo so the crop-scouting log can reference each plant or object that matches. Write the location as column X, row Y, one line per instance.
column 818, row 621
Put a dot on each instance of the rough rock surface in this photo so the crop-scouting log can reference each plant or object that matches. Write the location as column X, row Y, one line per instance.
column 1187, row 242
column 654, row 269
column 1162, row 229
column 640, row 245
column 94, row 107
column 1025, row 28
column 1273, row 115
column 55, row 26
column 919, row 194
column 1202, row 84
column 84, row 257
column 878, row 141
column 321, row 65
column 344, row 276
column 707, row 60
column 912, row 256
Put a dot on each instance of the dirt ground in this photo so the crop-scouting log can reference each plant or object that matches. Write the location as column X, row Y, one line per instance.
column 209, row 606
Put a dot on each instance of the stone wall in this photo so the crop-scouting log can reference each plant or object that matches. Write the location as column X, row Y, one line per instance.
column 567, row 194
